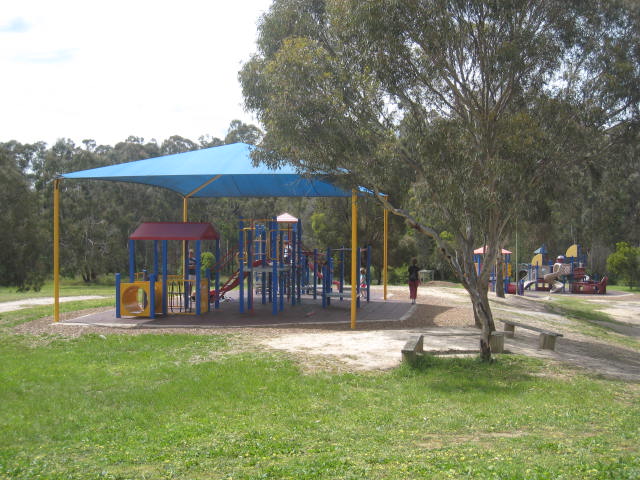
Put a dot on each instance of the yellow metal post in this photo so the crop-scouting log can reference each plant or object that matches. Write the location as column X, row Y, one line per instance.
column 185, row 208
column 385, row 251
column 185, row 218
column 56, row 250
column 355, row 261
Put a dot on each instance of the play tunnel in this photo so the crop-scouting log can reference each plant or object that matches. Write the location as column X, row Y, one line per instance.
column 135, row 299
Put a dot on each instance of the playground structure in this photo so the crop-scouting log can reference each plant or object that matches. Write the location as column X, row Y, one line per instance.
column 218, row 172
column 542, row 274
column 147, row 295
column 478, row 257
column 324, row 275
column 273, row 265
column 566, row 274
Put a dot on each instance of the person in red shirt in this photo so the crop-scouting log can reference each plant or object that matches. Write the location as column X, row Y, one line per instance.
column 414, row 280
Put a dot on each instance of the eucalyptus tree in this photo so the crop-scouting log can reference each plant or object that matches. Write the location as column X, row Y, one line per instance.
column 23, row 241
column 463, row 103
column 241, row 132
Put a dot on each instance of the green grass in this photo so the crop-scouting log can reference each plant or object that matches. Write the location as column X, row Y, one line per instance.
column 623, row 288
column 191, row 407
column 17, row 317
column 591, row 320
column 68, row 288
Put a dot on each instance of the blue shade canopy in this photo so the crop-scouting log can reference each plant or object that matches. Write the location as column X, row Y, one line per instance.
column 225, row 171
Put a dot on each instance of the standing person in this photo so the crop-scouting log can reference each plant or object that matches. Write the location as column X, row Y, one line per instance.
column 192, row 264
column 414, row 280
column 363, row 283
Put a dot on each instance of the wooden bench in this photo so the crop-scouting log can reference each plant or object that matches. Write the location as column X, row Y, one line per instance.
column 413, row 349
column 547, row 337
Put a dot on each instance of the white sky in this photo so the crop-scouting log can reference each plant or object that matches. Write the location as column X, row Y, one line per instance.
column 105, row 70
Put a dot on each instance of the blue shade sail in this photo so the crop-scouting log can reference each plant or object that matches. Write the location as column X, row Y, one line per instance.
column 225, row 171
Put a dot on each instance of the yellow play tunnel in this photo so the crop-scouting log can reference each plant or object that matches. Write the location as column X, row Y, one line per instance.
column 134, row 299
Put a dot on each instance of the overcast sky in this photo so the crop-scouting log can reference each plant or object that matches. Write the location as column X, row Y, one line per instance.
column 105, row 70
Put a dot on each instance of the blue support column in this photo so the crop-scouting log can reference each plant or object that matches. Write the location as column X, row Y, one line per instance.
column 132, row 261
column 186, row 301
column 294, row 265
column 302, row 260
column 263, row 253
column 217, row 273
column 198, row 275
column 341, row 289
column 328, row 277
column 281, row 273
column 274, row 265
column 324, row 286
column 315, row 273
column 152, row 296
column 250, row 270
column 165, row 262
column 117, row 295
column 241, row 264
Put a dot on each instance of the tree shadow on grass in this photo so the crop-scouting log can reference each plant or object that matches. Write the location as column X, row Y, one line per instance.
column 505, row 375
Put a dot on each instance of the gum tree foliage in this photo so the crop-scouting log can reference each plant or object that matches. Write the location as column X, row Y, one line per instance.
column 22, row 245
column 624, row 263
column 468, row 105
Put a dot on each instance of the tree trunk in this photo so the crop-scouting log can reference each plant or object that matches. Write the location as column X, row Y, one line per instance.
column 483, row 319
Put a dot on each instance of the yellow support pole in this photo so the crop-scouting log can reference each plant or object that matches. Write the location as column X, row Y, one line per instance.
column 385, row 251
column 185, row 218
column 354, row 256
column 185, row 209
column 56, row 250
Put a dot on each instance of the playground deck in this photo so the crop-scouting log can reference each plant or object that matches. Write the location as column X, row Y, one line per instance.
column 308, row 313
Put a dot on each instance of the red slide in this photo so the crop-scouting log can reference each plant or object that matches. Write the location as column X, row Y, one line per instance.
column 230, row 284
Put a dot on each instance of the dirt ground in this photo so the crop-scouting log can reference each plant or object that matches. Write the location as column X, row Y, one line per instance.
column 442, row 314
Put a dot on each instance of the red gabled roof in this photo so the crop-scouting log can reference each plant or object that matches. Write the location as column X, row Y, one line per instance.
column 175, row 231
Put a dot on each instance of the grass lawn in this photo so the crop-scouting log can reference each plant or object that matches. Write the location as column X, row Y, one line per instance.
column 591, row 320
column 192, row 407
column 68, row 288
column 623, row 288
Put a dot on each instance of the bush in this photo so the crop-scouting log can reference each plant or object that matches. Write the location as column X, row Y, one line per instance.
column 399, row 275
column 624, row 263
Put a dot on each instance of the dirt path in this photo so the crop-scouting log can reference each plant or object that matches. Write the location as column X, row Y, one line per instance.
column 443, row 314
column 30, row 302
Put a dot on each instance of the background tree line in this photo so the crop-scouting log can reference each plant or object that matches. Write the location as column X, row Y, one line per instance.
column 597, row 209
column 97, row 217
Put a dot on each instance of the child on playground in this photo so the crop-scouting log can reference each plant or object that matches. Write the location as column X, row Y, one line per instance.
column 363, row 283
column 192, row 264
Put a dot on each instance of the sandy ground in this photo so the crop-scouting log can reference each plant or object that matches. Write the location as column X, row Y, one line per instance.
column 444, row 316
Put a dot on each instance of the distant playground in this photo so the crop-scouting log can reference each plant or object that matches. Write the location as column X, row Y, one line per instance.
column 561, row 273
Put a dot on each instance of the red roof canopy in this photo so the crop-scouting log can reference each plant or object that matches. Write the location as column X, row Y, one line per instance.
column 175, row 231
column 480, row 251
